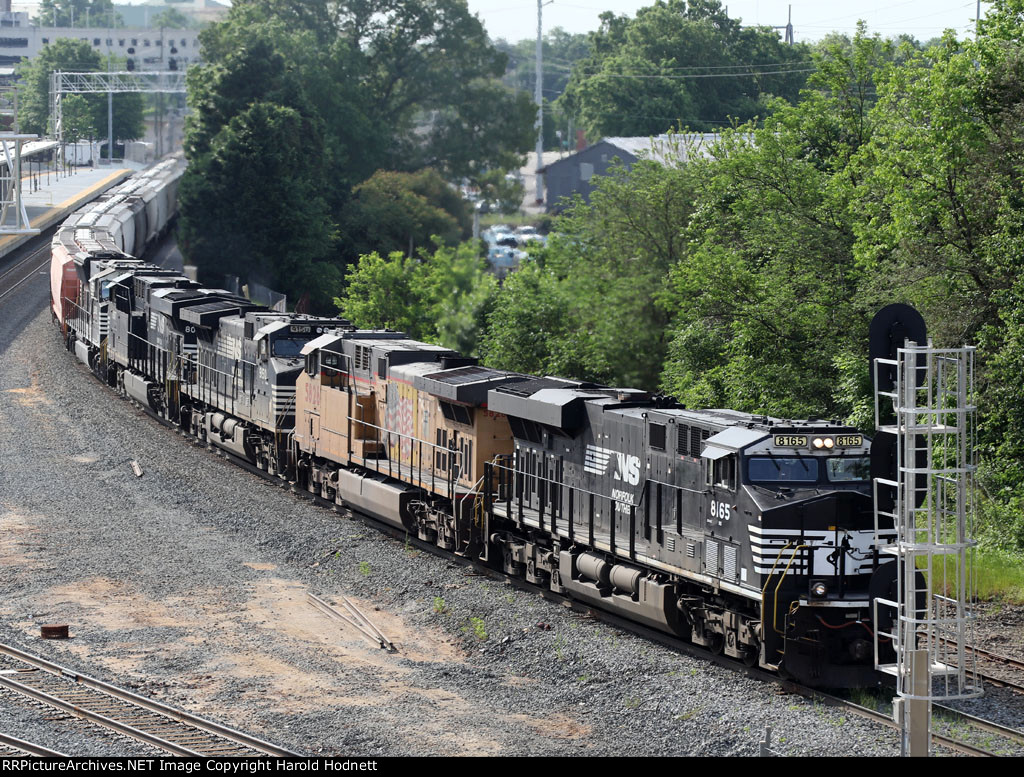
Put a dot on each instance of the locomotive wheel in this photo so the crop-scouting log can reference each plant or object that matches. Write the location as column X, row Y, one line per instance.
column 716, row 644
column 750, row 655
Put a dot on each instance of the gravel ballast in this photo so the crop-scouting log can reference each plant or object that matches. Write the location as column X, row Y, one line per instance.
column 189, row 584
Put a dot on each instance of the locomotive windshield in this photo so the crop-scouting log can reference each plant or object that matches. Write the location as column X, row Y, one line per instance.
column 799, row 469
column 289, row 347
column 783, row 469
column 849, row 469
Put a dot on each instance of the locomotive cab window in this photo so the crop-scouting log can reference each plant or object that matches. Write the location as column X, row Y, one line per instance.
column 312, row 363
column 721, row 472
column 848, row 469
column 288, row 347
column 330, row 370
column 783, row 469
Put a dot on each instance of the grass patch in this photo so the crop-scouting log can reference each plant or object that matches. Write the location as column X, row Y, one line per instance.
column 1000, row 577
column 477, row 628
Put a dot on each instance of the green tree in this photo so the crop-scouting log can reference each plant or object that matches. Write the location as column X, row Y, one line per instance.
column 680, row 63
column 173, row 19
column 34, row 98
column 78, row 13
column 526, row 323
column 393, row 86
column 400, row 85
column 603, row 275
column 73, row 55
column 274, row 228
column 506, row 190
column 766, row 301
column 402, row 211
column 441, row 296
column 385, row 292
column 78, row 119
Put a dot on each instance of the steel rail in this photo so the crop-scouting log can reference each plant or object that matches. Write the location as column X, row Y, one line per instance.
column 15, row 266
column 161, row 709
column 995, row 657
column 385, row 642
column 999, row 682
column 29, row 748
column 985, row 725
column 32, row 273
column 95, row 717
column 330, row 611
column 937, row 739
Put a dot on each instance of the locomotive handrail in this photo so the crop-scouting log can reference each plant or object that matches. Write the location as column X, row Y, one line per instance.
column 768, row 580
column 775, row 602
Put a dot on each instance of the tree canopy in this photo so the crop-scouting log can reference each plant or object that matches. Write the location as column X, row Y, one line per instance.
column 87, row 112
column 274, row 228
column 748, row 278
column 78, row 13
column 679, row 63
column 379, row 86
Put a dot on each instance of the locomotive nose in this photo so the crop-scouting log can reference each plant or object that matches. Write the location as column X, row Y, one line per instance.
column 809, row 510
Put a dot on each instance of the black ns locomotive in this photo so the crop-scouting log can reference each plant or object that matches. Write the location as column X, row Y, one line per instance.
column 753, row 536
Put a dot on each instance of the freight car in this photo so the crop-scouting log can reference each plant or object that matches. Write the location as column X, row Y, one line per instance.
column 753, row 536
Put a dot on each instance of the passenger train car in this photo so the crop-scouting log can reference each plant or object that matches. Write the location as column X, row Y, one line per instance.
column 753, row 536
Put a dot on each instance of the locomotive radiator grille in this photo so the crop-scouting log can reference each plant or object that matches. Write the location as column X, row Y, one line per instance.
column 711, row 555
column 729, row 562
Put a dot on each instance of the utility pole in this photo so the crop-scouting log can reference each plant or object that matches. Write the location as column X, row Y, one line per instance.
column 788, row 27
column 110, row 114
column 538, row 97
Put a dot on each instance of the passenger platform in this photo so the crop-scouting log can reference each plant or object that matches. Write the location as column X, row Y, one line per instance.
column 57, row 198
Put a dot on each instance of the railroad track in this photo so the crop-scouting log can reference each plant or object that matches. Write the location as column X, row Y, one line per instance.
column 1000, row 682
column 12, row 747
column 158, row 725
column 24, row 270
column 995, row 658
column 950, row 742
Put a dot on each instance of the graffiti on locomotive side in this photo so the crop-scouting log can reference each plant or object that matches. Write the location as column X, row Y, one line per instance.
column 313, row 392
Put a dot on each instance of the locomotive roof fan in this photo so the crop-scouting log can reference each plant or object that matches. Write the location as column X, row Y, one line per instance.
column 890, row 330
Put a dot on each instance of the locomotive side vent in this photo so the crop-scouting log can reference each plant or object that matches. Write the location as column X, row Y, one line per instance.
column 682, row 440
column 711, row 556
column 691, row 550
column 729, row 563
column 670, row 544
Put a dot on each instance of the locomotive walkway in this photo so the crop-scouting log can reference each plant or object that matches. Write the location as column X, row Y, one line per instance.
column 57, row 198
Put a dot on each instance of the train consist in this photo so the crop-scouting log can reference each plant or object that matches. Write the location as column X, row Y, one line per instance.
column 753, row 536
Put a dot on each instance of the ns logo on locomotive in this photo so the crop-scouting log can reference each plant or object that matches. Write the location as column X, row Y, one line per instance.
column 753, row 536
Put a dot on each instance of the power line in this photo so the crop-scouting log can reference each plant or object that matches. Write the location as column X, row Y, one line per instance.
column 683, row 77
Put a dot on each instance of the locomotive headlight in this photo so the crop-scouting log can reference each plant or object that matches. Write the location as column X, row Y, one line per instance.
column 819, row 443
column 829, row 442
column 819, row 589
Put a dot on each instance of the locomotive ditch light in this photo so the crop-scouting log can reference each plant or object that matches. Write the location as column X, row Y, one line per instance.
column 818, row 589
